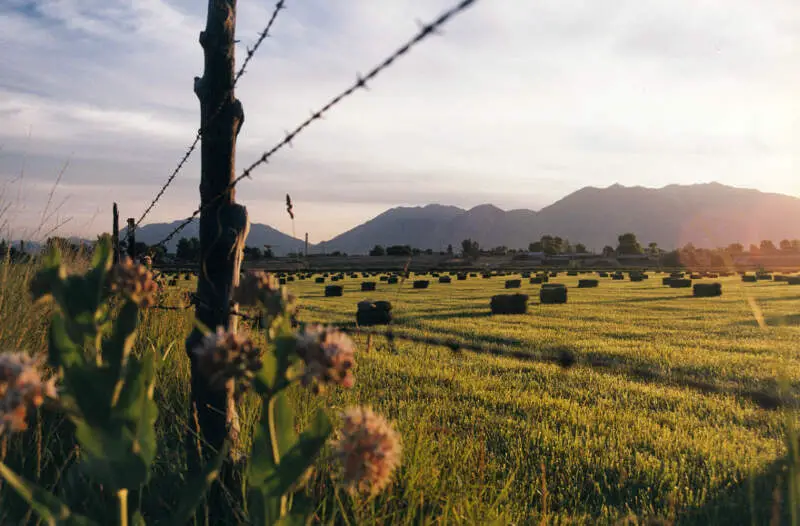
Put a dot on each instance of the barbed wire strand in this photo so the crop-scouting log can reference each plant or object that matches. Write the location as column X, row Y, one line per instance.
column 425, row 31
column 279, row 6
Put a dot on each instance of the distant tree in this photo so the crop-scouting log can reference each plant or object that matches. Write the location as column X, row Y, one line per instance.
column 717, row 260
column 188, row 249
column 767, row 247
column 377, row 250
column 549, row 245
column 671, row 259
column 609, row 252
column 652, row 248
column 267, row 253
column 399, row 250
column 795, row 245
column 449, row 250
column 735, row 249
column 252, row 253
column 628, row 244
column 536, row 246
column 157, row 253
column 499, row 251
column 580, row 248
column 470, row 248
column 786, row 245
column 754, row 249
column 429, row 251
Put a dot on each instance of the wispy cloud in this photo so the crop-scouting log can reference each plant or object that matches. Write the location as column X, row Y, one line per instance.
column 518, row 104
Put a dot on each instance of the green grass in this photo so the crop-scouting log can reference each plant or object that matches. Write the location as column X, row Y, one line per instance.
column 669, row 413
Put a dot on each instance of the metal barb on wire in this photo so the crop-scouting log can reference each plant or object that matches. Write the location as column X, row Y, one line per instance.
column 425, row 31
column 279, row 6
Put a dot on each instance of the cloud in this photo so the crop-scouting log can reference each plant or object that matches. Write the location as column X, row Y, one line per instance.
column 518, row 103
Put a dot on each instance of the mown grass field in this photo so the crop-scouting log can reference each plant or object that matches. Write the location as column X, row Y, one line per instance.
column 675, row 410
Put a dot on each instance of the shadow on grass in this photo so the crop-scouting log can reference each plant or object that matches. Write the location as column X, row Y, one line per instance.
column 761, row 499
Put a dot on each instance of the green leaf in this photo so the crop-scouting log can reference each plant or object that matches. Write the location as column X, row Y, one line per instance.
column 47, row 506
column 197, row 488
column 62, row 350
column 47, row 282
column 119, row 440
column 297, row 460
column 118, row 347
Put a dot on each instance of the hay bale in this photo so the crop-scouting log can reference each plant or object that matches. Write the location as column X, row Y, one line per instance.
column 667, row 281
column 473, row 275
column 635, row 276
column 536, row 281
column 676, row 275
column 749, row 278
column 707, row 290
column 544, row 277
column 333, row 290
column 513, row 283
column 618, row 276
column 793, row 280
column 421, row 283
column 392, row 280
column 602, row 274
column 445, row 279
column 486, row 276
column 572, row 273
column 551, row 293
column 319, row 280
column 525, row 275
column 461, row 277
column 367, row 285
column 509, row 304
column 588, row 283
column 695, row 276
column 712, row 275
column 680, row 283
column 554, row 274
column 763, row 276
column 373, row 313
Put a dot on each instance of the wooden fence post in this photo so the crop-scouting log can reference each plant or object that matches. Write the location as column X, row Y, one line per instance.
column 131, row 235
column 223, row 226
column 115, row 233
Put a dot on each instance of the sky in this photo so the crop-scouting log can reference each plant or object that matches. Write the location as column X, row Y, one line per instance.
column 517, row 103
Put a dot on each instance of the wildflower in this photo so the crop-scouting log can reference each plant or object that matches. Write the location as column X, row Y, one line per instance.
column 21, row 387
column 369, row 450
column 265, row 288
column 135, row 282
column 328, row 356
column 225, row 355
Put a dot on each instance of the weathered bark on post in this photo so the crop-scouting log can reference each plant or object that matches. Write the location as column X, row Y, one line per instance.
column 115, row 234
column 223, row 224
column 131, row 235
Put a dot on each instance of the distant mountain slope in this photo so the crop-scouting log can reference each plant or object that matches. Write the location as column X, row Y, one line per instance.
column 416, row 226
column 707, row 215
column 259, row 236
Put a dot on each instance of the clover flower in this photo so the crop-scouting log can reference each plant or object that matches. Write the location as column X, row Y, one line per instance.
column 21, row 388
column 328, row 355
column 223, row 355
column 369, row 450
column 135, row 282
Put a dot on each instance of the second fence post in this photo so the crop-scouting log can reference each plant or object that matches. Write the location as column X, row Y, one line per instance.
column 223, row 226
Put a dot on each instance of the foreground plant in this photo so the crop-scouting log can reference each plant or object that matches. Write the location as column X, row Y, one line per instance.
column 107, row 394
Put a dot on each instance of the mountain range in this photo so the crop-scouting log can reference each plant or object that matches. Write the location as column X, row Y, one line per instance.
column 707, row 215
column 259, row 236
